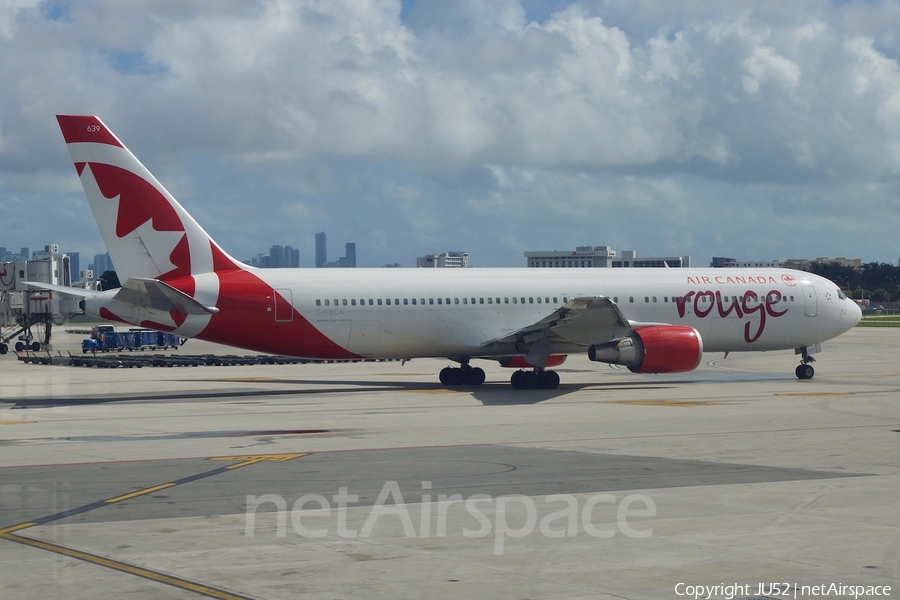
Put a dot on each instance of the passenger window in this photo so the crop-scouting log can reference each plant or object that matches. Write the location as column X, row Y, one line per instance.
column 405, row 301
column 379, row 302
column 531, row 300
column 431, row 301
column 344, row 302
column 388, row 301
column 490, row 300
column 631, row 299
column 481, row 301
column 371, row 302
column 414, row 301
column 439, row 301
column 318, row 302
column 353, row 302
column 327, row 302
column 539, row 300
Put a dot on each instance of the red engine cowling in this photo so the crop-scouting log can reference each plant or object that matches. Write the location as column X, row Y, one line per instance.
column 653, row 349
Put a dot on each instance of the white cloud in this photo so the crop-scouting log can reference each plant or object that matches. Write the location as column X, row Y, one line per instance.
column 469, row 125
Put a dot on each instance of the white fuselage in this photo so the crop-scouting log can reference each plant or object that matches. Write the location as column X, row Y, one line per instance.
column 404, row 313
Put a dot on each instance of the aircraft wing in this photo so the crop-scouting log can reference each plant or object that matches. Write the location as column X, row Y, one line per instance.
column 584, row 320
column 156, row 295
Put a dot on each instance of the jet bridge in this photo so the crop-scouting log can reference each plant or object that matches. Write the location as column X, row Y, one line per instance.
column 27, row 314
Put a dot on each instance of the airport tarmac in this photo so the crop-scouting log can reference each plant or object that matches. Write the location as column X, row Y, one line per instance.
column 372, row 480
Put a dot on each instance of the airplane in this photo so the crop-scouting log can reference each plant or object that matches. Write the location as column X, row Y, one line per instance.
column 179, row 280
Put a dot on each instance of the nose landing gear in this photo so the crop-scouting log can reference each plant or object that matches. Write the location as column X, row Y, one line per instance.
column 805, row 370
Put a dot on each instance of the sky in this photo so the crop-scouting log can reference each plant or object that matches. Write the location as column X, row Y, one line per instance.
column 756, row 129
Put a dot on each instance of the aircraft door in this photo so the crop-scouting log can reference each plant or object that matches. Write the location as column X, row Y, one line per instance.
column 284, row 311
column 811, row 301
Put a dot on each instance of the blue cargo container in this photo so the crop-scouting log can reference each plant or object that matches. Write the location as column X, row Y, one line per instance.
column 104, row 338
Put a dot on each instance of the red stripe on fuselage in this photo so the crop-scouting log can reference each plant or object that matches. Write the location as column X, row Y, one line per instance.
column 246, row 319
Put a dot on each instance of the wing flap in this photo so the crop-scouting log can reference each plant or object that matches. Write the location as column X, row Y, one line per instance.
column 588, row 320
column 582, row 321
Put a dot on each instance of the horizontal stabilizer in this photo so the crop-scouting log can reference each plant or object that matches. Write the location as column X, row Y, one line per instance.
column 156, row 295
column 62, row 289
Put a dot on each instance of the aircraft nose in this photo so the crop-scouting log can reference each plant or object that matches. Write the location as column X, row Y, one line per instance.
column 852, row 314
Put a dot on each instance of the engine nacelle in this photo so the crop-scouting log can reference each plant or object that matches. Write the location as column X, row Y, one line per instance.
column 653, row 349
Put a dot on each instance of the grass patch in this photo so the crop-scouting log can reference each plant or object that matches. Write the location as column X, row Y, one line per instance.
column 880, row 321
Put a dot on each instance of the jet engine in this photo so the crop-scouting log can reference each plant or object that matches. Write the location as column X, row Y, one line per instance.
column 653, row 349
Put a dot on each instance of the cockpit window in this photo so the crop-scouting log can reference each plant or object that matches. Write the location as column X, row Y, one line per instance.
column 841, row 295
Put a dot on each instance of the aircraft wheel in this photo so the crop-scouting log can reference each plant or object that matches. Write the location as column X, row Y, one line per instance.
column 805, row 372
column 474, row 376
column 4, row 348
column 549, row 380
column 516, row 380
column 35, row 346
column 20, row 346
column 450, row 376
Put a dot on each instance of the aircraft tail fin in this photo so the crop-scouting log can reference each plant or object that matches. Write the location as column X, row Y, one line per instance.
column 147, row 232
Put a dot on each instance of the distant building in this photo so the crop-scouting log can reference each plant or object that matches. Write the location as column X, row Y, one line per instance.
column 278, row 257
column 600, row 257
column 101, row 264
column 345, row 262
column 321, row 250
column 446, row 260
column 348, row 261
column 856, row 263
column 7, row 255
column 802, row 264
column 74, row 266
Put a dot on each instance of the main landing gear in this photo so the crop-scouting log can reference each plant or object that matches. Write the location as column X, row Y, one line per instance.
column 537, row 379
column 804, row 369
column 462, row 375
column 520, row 380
